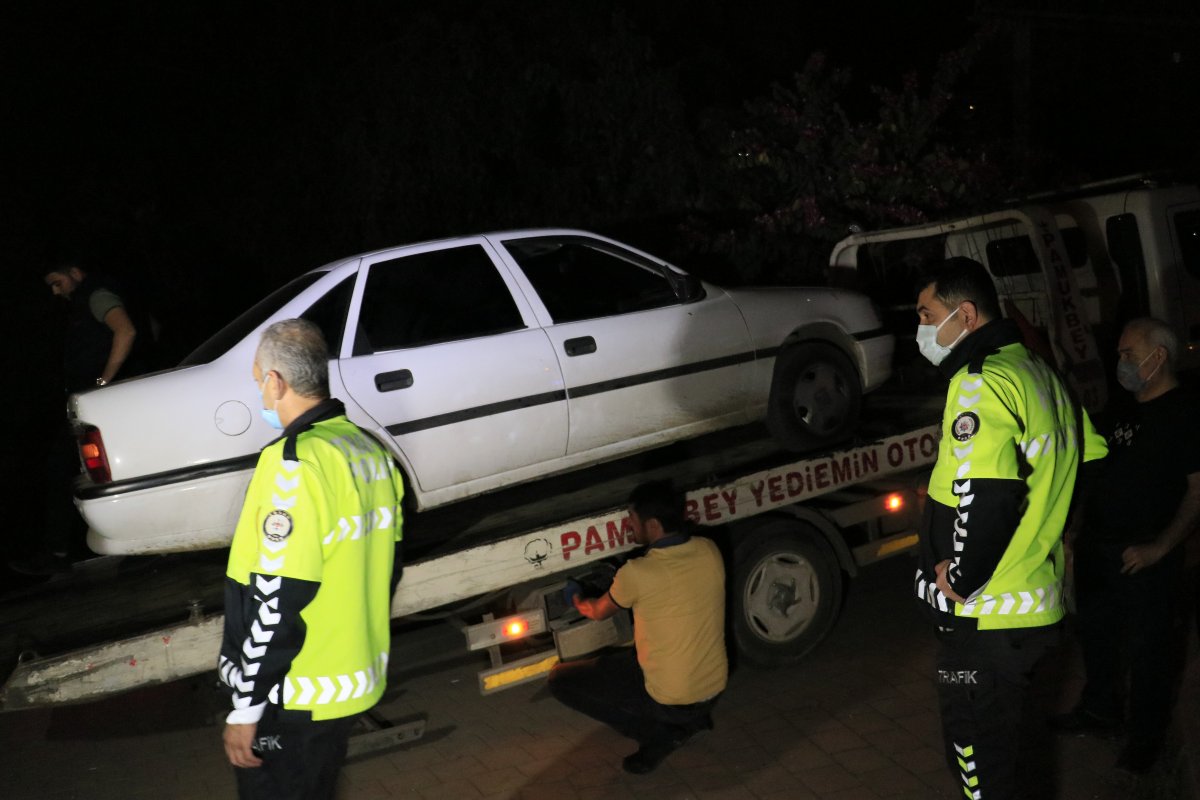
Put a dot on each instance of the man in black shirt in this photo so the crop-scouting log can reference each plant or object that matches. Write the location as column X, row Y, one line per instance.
column 1143, row 502
column 98, row 347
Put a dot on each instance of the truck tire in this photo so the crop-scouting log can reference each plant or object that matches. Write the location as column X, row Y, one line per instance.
column 815, row 396
column 786, row 593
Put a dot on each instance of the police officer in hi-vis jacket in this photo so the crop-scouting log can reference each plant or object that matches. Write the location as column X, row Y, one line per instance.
column 310, row 578
column 991, row 557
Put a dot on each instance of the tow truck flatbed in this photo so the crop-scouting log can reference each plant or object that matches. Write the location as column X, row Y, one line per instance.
column 154, row 619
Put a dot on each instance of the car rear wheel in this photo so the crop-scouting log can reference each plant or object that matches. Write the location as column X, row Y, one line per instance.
column 815, row 397
column 787, row 593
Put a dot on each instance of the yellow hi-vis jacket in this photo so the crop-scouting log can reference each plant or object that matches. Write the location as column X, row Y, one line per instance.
column 309, row 582
column 1011, row 448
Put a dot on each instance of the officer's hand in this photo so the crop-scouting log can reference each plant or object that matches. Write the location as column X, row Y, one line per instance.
column 1139, row 556
column 571, row 591
column 943, row 582
column 238, row 739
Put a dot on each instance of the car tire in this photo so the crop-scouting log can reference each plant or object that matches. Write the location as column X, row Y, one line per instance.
column 815, row 398
column 786, row 593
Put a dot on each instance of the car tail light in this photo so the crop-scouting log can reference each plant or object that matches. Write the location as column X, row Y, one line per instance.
column 894, row 502
column 91, row 453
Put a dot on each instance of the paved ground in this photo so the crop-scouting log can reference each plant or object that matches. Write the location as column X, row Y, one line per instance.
column 856, row 721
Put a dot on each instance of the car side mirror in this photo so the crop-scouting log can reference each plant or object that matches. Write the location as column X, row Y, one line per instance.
column 689, row 288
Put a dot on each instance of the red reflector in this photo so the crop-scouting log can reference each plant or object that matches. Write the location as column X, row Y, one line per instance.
column 894, row 502
column 95, row 460
column 516, row 628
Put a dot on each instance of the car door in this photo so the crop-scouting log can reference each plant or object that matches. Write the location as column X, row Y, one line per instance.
column 452, row 364
column 639, row 356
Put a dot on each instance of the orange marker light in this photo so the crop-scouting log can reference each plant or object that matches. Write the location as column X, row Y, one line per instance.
column 515, row 628
column 894, row 502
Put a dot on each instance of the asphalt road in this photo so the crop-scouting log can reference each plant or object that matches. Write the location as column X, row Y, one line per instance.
column 856, row 720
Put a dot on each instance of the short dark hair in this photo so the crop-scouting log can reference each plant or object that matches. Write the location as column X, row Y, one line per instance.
column 959, row 279
column 62, row 268
column 661, row 501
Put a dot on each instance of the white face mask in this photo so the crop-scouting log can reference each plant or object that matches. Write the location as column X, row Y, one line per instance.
column 927, row 341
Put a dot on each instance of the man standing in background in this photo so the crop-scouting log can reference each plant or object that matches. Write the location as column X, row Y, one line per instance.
column 1143, row 503
column 98, row 348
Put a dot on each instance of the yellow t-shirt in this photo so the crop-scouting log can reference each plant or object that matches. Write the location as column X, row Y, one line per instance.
column 677, row 594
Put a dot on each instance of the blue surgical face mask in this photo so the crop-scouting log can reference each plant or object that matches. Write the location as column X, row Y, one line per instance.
column 270, row 415
column 272, row 418
column 1128, row 377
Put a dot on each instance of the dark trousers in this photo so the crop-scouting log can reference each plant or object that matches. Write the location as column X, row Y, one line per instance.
column 610, row 688
column 1129, row 625
column 981, row 679
column 63, row 527
column 301, row 758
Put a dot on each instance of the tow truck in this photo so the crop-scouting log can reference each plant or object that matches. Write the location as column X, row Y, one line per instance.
column 794, row 529
column 1071, row 267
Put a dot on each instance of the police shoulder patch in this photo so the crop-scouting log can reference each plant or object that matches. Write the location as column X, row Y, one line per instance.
column 277, row 526
column 965, row 426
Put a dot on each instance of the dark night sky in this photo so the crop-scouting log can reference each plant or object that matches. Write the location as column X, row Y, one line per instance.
column 137, row 118
column 202, row 148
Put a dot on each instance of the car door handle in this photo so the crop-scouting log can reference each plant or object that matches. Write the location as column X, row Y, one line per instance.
column 580, row 347
column 391, row 381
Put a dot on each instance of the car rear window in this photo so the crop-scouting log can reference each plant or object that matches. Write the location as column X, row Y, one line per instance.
column 219, row 344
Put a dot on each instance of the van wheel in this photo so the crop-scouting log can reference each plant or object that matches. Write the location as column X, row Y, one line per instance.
column 815, row 396
column 787, row 593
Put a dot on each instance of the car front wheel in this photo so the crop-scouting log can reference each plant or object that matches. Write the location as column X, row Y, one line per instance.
column 815, row 396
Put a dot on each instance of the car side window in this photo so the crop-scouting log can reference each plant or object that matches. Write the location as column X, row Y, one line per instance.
column 438, row 296
column 584, row 279
column 329, row 313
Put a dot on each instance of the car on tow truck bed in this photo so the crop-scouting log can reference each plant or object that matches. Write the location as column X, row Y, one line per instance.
column 482, row 362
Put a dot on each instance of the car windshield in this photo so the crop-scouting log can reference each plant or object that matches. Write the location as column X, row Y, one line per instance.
column 250, row 319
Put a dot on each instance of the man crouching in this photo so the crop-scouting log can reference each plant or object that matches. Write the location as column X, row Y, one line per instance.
column 662, row 692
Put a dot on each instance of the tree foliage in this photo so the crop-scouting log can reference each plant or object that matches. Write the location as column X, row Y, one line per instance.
column 799, row 170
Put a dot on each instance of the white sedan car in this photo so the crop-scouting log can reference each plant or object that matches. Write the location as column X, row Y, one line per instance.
column 483, row 361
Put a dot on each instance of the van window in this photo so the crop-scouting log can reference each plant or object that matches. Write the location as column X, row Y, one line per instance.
column 1125, row 248
column 1076, row 246
column 1187, row 228
column 1014, row 255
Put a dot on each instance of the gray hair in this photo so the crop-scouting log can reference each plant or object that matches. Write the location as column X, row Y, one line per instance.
column 295, row 348
column 1157, row 334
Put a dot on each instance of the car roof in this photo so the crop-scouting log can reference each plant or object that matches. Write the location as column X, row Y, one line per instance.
column 515, row 233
